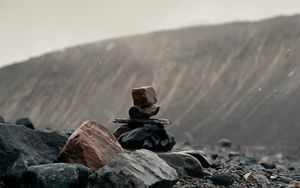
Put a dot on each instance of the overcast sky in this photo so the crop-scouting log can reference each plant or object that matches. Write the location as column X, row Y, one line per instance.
column 32, row 27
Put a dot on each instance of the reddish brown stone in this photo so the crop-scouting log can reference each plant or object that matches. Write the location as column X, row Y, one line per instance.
column 91, row 145
column 144, row 96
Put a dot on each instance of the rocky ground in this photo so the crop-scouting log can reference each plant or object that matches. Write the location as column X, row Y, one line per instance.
column 29, row 160
column 246, row 167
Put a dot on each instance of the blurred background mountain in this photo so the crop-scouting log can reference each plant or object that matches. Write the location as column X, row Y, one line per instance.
column 238, row 80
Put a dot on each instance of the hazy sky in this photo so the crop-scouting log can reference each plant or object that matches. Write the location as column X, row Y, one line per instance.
column 33, row 27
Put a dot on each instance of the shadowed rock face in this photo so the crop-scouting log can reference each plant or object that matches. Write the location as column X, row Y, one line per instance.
column 239, row 81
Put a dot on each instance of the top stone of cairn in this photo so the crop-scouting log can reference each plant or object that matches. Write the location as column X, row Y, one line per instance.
column 144, row 96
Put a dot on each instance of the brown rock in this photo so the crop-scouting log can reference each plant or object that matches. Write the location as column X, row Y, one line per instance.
column 265, row 159
column 91, row 145
column 257, row 177
column 121, row 130
column 296, row 184
column 225, row 142
column 136, row 112
column 144, row 96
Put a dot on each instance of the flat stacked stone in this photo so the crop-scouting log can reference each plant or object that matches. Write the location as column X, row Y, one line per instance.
column 140, row 131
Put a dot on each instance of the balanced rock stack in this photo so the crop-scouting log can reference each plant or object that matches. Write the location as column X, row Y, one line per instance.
column 141, row 131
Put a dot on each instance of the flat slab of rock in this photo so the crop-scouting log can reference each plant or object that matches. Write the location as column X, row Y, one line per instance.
column 143, row 121
column 141, row 168
column 144, row 96
column 56, row 175
column 91, row 145
column 22, row 147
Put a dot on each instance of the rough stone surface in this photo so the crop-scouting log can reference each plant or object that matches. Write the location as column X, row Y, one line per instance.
column 200, row 156
column 136, row 112
column 258, row 178
column 138, row 169
column 184, row 164
column 58, row 175
column 22, row 147
column 25, row 121
column 144, row 96
column 152, row 137
column 225, row 179
column 296, row 184
column 91, row 145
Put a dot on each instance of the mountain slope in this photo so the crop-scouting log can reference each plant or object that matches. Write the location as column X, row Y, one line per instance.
column 238, row 80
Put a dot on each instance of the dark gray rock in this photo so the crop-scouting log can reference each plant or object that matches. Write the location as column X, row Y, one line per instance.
column 284, row 179
column 22, row 147
column 25, row 121
column 135, row 123
column 2, row 120
column 200, row 156
column 184, row 164
column 138, row 169
column 268, row 165
column 225, row 179
column 136, row 112
column 56, row 175
column 152, row 137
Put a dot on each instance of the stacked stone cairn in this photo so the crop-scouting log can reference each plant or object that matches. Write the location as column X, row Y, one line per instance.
column 140, row 131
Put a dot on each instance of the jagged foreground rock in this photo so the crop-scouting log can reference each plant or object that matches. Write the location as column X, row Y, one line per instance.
column 59, row 175
column 139, row 169
column 91, row 145
column 21, row 147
